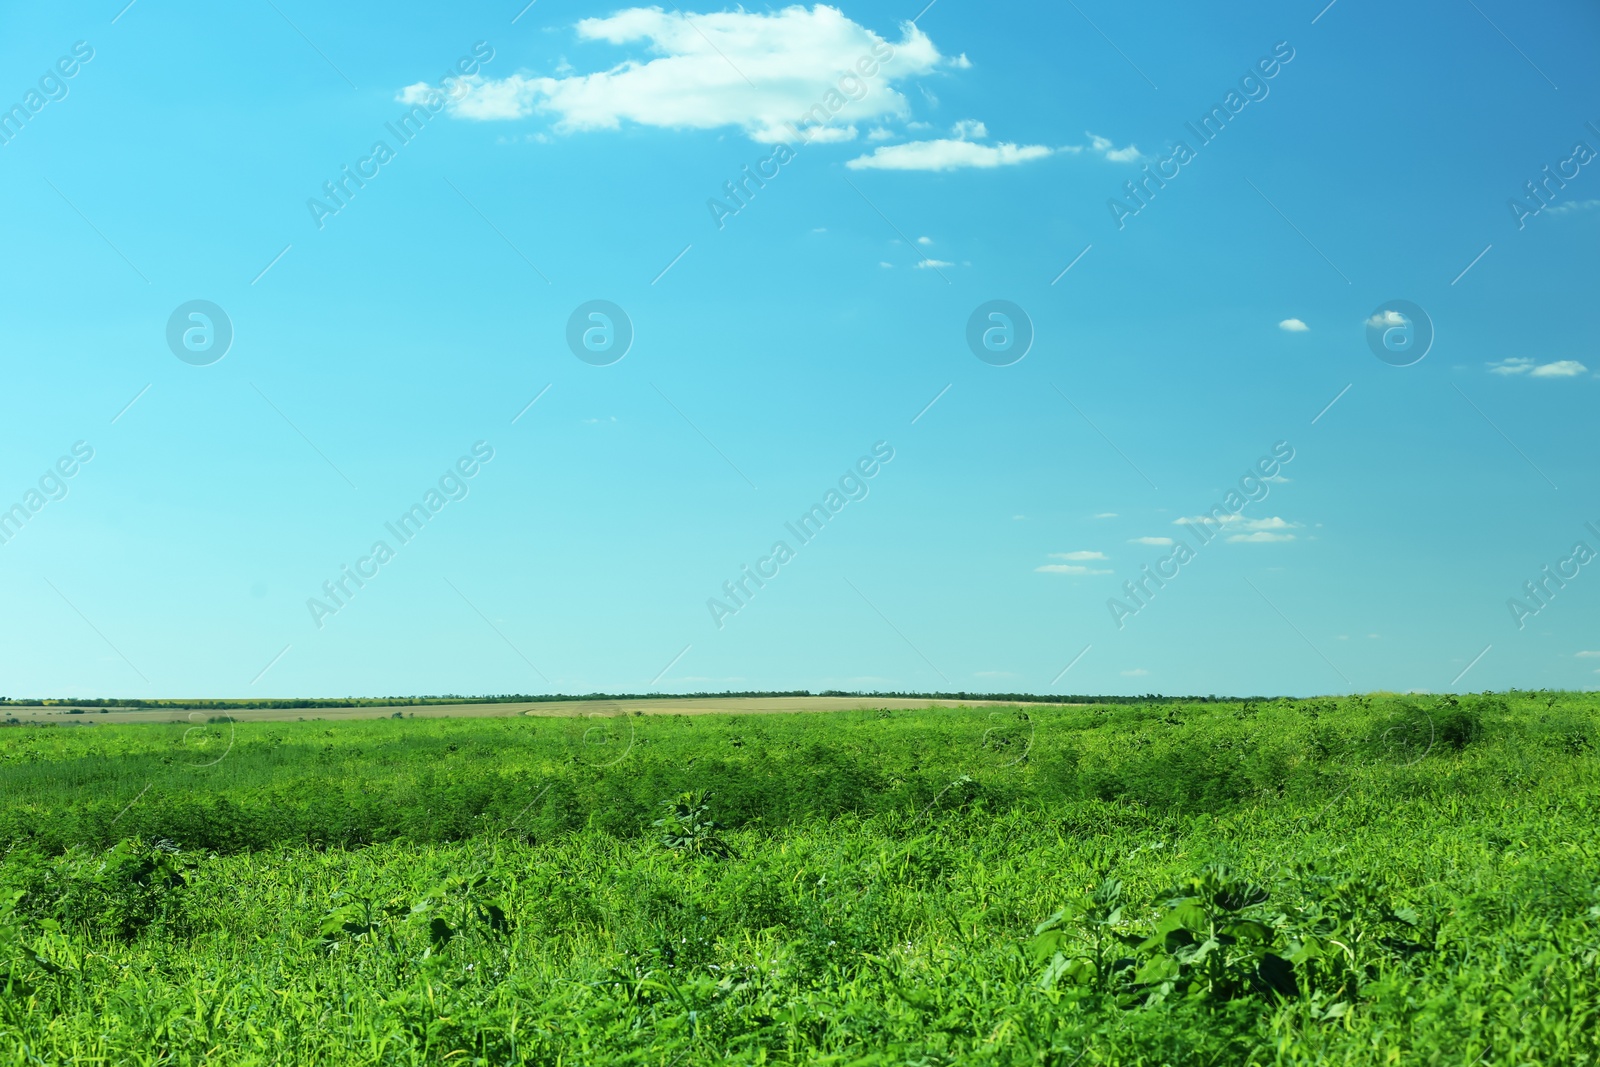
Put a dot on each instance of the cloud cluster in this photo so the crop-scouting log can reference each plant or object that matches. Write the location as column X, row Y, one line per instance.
column 759, row 72
column 1564, row 368
column 1293, row 326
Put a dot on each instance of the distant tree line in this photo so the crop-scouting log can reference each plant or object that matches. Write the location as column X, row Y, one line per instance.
column 540, row 698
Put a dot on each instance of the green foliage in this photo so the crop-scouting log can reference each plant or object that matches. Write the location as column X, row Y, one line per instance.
column 687, row 827
column 1374, row 880
column 22, row 966
column 1216, row 939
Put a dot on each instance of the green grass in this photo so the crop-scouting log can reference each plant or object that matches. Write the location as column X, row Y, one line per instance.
column 1369, row 880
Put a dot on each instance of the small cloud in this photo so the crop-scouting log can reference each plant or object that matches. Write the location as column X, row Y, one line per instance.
column 1151, row 541
column 1511, row 366
column 829, row 134
column 819, row 229
column 1078, row 556
column 878, row 133
column 1114, row 155
column 1293, row 326
column 1386, row 318
column 1106, row 515
column 1589, row 655
column 1570, row 206
column 1237, row 522
column 1564, row 368
column 947, row 154
column 1067, row 568
column 592, row 422
column 924, row 240
column 932, row 264
column 885, row 264
column 1261, row 537
column 969, row 128
column 1018, row 518
column 1137, row 672
column 1372, row 637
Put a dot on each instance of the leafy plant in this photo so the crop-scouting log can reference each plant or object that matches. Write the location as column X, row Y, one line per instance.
column 688, row 828
column 22, row 966
column 452, row 906
column 134, row 885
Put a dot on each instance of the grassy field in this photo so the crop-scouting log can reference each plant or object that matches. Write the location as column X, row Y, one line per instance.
column 1363, row 880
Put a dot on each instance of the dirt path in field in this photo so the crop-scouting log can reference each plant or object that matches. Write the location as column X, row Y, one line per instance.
column 67, row 715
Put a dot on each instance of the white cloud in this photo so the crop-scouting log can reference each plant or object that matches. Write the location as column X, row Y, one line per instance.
column 1511, row 366
column 924, row 240
column 1067, row 568
column 1293, row 326
column 964, row 150
column 1106, row 515
column 885, row 264
column 1386, row 318
column 1079, row 556
column 1239, row 521
column 1151, row 541
column 1569, row 206
column 878, row 133
column 1564, row 368
column 1589, row 655
column 1137, row 672
column 947, row 154
column 931, row 264
column 1115, row 155
column 1261, row 537
column 830, row 134
column 764, row 73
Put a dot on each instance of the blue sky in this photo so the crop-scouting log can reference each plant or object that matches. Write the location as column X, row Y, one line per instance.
column 570, row 153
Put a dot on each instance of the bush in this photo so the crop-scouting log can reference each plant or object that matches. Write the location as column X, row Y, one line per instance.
column 1458, row 725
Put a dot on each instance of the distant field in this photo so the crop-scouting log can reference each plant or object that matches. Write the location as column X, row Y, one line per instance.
column 1367, row 880
column 70, row 714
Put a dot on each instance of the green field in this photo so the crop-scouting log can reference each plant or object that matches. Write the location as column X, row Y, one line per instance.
column 1356, row 880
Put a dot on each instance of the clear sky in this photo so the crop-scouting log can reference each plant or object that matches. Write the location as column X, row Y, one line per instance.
column 893, row 175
